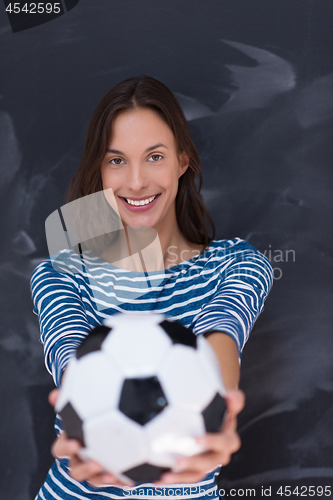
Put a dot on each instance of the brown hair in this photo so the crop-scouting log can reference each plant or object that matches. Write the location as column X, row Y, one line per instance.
column 145, row 92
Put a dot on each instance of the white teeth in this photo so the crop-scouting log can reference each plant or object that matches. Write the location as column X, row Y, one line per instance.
column 142, row 202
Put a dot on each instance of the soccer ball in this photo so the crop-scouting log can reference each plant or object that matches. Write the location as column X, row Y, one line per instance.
column 138, row 391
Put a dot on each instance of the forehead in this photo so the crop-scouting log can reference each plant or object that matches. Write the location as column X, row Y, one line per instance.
column 141, row 126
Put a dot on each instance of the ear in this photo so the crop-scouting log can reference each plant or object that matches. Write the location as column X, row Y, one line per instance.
column 183, row 164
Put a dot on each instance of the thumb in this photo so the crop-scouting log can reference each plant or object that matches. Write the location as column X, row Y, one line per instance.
column 235, row 401
column 53, row 397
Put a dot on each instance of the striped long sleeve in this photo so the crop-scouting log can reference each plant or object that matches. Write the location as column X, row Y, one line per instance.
column 243, row 285
column 62, row 316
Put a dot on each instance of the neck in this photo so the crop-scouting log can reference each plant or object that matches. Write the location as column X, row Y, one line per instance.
column 175, row 247
column 173, row 244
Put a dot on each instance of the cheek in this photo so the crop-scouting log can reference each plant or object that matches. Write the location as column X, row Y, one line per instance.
column 167, row 178
column 109, row 180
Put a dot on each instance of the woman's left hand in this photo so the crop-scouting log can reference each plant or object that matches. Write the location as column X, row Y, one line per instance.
column 219, row 446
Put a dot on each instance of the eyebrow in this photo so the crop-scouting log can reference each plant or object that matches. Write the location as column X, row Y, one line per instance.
column 159, row 145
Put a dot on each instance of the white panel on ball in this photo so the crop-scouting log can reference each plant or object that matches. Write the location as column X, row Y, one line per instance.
column 115, row 441
column 172, row 434
column 91, row 396
column 138, row 345
column 186, row 386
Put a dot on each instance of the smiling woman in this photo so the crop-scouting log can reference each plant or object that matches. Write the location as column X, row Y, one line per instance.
column 138, row 145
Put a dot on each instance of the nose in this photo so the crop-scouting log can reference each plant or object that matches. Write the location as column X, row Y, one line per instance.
column 137, row 178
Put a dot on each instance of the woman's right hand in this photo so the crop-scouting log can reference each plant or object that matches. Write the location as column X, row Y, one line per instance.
column 80, row 470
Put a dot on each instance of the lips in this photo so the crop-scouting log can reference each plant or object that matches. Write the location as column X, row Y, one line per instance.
column 140, row 208
column 140, row 202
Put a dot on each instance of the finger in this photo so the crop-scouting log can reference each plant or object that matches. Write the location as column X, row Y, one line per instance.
column 226, row 441
column 53, row 396
column 107, row 479
column 235, row 401
column 199, row 463
column 63, row 447
column 229, row 424
column 180, row 477
column 74, row 461
column 102, row 479
column 83, row 471
column 207, row 461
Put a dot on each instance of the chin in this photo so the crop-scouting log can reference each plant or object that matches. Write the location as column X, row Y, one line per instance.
column 138, row 223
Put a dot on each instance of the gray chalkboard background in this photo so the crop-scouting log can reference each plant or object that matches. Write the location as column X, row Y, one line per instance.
column 255, row 79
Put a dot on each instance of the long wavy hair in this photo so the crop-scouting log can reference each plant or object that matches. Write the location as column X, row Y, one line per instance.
column 146, row 92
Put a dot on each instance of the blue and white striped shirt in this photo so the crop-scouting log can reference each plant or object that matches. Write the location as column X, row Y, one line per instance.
column 223, row 289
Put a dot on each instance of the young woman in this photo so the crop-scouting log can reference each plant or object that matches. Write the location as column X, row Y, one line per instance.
column 138, row 145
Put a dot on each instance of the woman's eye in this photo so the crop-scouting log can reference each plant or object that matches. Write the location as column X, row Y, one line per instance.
column 156, row 157
column 115, row 161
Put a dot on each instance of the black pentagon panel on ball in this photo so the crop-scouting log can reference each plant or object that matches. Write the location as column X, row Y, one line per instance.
column 179, row 334
column 72, row 423
column 146, row 473
column 93, row 341
column 214, row 413
column 142, row 399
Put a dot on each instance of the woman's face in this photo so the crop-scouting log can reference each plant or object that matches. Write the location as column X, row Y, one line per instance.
column 142, row 165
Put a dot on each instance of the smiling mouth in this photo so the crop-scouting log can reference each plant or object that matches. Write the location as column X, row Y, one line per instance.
column 141, row 202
